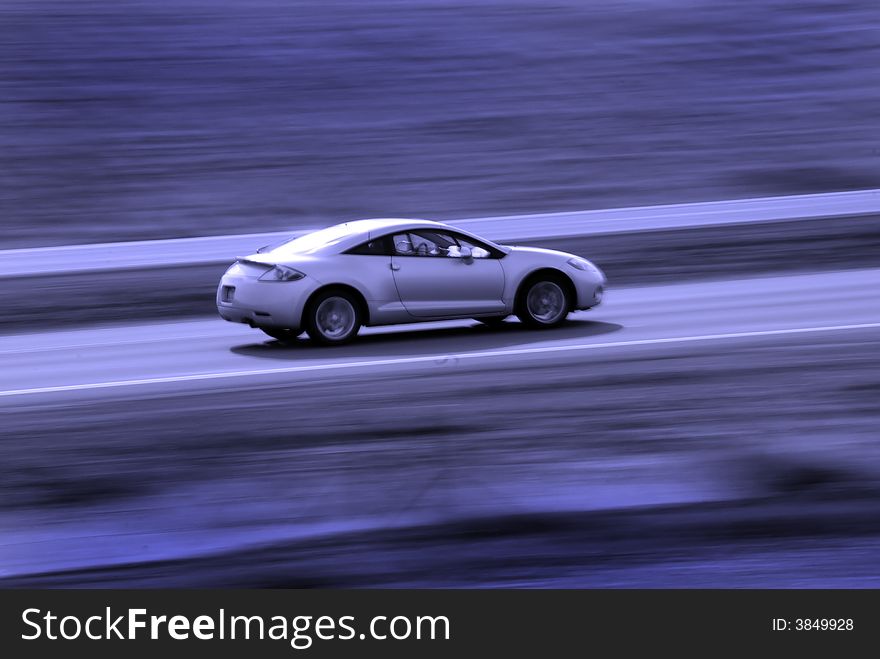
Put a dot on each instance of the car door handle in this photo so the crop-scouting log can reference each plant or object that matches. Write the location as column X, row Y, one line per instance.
column 394, row 266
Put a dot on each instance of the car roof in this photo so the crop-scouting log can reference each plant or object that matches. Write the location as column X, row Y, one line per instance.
column 377, row 225
column 373, row 228
column 348, row 234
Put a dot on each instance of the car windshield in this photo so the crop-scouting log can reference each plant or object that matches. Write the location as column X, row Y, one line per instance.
column 311, row 241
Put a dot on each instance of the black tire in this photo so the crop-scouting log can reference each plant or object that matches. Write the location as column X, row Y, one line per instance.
column 283, row 335
column 543, row 301
column 492, row 321
column 333, row 317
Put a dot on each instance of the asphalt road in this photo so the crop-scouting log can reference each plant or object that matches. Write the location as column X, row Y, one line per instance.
column 719, row 433
column 34, row 303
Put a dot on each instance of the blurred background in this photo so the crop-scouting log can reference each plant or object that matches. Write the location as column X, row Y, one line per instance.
column 753, row 461
column 141, row 119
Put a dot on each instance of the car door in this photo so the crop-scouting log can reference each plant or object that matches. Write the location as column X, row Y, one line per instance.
column 366, row 267
column 433, row 280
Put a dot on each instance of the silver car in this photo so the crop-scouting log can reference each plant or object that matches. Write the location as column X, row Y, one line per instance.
column 383, row 272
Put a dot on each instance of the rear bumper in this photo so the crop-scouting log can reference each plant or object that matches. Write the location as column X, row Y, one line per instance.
column 264, row 304
column 252, row 317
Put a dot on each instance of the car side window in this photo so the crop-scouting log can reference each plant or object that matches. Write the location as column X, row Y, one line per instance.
column 403, row 245
column 375, row 247
column 425, row 243
column 424, row 246
column 477, row 252
column 433, row 243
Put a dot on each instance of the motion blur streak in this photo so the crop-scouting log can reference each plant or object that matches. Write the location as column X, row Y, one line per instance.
column 713, row 423
column 66, row 259
column 672, row 462
column 139, row 119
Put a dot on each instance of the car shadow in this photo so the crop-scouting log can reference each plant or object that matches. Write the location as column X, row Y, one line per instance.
column 428, row 341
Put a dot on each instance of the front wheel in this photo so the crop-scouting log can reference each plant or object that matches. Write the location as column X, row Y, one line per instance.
column 333, row 318
column 543, row 302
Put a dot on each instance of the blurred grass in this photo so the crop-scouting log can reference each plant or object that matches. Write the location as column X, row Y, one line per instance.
column 132, row 119
column 709, row 465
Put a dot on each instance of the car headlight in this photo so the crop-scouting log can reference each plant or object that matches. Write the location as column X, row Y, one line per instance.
column 281, row 273
column 582, row 264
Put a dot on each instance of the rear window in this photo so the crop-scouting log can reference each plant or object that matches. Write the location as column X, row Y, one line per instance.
column 312, row 241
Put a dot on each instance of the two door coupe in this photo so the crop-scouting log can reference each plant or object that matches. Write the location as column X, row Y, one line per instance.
column 331, row 282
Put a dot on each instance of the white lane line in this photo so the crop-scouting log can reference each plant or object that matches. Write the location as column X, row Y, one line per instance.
column 429, row 358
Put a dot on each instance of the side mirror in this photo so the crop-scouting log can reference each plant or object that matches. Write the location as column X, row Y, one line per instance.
column 466, row 253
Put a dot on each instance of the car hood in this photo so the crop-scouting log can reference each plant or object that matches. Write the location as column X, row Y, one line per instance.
column 541, row 256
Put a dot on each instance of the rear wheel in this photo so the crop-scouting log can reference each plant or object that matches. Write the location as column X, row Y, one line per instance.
column 333, row 317
column 543, row 301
